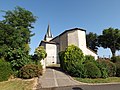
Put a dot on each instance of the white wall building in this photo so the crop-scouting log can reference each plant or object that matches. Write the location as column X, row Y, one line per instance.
column 59, row 43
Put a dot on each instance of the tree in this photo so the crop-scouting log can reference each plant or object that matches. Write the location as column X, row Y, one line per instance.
column 40, row 53
column 110, row 38
column 92, row 41
column 15, row 33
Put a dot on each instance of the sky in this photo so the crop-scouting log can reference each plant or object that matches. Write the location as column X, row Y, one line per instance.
column 91, row 15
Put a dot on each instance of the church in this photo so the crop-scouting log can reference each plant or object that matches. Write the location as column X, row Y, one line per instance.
column 54, row 45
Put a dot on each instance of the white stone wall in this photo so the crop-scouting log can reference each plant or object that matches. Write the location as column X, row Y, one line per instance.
column 78, row 38
column 63, row 42
column 82, row 44
column 82, row 41
column 73, row 38
column 43, row 64
column 89, row 52
column 51, row 50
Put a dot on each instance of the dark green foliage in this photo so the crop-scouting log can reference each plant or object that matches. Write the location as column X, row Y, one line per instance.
column 5, row 70
column 89, row 58
column 92, row 41
column 71, row 60
column 92, row 71
column 30, row 71
column 110, row 38
column 117, row 69
column 109, row 66
column 77, row 70
column 103, row 68
column 115, row 59
column 18, row 58
column 19, row 18
column 61, row 57
column 15, row 33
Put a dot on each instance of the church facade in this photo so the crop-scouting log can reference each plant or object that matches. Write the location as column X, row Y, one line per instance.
column 53, row 46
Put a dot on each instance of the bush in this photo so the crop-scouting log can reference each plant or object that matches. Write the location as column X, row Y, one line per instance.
column 61, row 58
column 5, row 70
column 115, row 59
column 92, row 71
column 77, row 70
column 103, row 69
column 30, row 71
column 110, row 66
column 71, row 60
column 89, row 58
column 118, row 69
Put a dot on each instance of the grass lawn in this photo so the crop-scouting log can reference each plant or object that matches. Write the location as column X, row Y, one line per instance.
column 98, row 80
column 17, row 84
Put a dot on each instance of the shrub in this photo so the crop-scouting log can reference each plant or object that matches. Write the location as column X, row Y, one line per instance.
column 5, row 70
column 110, row 66
column 61, row 58
column 77, row 70
column 30, row 71
column 103, row 69
column 71, row 60
column 118, row 69
column 115, row 59
column 92, row 71
column 89, row 58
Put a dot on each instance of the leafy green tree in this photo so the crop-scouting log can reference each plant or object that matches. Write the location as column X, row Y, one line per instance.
column 40, row 53
column 92, row 41
column 15, row 33
column 110, row 38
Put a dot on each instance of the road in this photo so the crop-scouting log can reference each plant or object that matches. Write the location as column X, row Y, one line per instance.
column 87, row 87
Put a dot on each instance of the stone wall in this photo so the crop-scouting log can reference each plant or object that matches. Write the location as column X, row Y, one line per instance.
column 73, row 38
column 90, row 52
column 51, row 50
column 63, row 42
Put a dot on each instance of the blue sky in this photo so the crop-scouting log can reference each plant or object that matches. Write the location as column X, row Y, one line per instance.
column 91, row 15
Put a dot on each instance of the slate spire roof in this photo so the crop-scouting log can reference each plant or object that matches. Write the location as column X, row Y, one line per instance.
column 48, row 33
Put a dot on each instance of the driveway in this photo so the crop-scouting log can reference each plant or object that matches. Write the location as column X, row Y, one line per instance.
column 55, row 78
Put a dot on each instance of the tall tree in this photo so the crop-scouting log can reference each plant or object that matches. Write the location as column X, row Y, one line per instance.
column 15, row 33
column 110, row 38
column 92, row 41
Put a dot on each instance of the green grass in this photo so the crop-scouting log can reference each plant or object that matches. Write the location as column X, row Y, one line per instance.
column 99, row 80
column 17, row 84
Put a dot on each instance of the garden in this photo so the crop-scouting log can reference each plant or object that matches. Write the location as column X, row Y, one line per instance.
column 87, row 69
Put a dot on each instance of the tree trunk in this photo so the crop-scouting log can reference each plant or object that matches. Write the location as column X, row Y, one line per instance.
column 113, row 52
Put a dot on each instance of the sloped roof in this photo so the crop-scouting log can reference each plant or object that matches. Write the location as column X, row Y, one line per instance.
column 68, row 31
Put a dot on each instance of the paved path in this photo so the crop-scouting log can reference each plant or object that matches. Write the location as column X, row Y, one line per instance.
column 55, row 78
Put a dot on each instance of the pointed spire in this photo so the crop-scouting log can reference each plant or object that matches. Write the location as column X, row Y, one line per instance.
column 48, row 35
